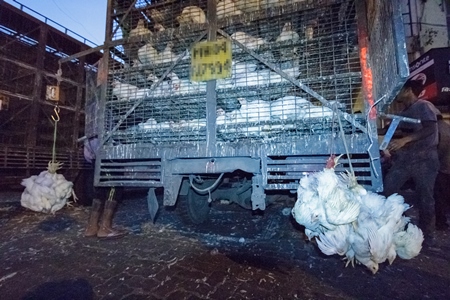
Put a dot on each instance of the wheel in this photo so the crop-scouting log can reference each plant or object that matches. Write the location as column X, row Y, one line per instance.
column 194, row 207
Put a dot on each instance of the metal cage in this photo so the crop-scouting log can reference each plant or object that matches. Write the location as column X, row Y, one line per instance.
column 302, row 81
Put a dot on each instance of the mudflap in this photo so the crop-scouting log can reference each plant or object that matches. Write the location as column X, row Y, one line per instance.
column 258, row 194
column 152, row 203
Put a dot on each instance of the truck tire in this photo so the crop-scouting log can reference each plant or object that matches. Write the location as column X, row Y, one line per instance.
column 194, row 208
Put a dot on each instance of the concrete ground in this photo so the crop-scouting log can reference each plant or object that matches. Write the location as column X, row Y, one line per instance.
column 235, row 255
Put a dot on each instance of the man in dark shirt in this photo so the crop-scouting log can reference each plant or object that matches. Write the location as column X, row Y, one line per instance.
column 415, row 155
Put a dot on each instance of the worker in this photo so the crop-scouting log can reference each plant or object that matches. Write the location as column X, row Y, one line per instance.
column 442, row 186
column 104, row 199
column 414, row 155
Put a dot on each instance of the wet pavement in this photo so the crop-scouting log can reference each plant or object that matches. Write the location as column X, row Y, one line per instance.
column 235, row 255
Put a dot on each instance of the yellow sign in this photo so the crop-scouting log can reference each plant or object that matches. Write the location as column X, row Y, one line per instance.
column 211, row 60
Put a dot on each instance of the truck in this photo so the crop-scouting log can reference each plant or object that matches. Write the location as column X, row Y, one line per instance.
column 236, row 99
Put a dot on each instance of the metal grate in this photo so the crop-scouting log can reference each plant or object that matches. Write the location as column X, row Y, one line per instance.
column 286, row 172
column 387, row 59
column 133, row 172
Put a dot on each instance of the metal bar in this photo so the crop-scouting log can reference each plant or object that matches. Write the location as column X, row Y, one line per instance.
column 82, row 53
column 35, row 69
column 124, row 16
column 29, row 98
column 390, row 133
column 401, row 118
column 17, row 37
column 211, row 94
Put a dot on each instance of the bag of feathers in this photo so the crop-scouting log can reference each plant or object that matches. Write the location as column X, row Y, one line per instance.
column 347, row 220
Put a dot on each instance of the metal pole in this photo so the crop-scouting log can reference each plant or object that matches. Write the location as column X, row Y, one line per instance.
column 211, row 96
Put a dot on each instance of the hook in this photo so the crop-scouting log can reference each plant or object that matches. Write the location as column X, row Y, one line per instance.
column 56, row 110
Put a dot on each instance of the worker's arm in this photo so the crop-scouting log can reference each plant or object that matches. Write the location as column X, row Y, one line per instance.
column 428, row 127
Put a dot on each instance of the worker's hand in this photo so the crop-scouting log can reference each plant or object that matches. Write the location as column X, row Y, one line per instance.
column 394, row 145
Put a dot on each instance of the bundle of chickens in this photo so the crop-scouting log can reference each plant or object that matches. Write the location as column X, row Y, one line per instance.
column 347, row 220
column 47, row 192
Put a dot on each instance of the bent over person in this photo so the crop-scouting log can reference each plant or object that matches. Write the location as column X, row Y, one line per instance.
column 414, row 155
column 104, row 202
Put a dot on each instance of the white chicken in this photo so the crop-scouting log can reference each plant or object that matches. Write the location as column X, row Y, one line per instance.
column 47, row 192
column 349, row 221
column 254, row 111
column 240, row 69
column 140, row 29
column 408, row 243
column 226, row 8
column 271, row 3
column 324, row 201
column 288, row 34
column 166, row 56
column 248, row 5
column 155, row 15
column 185, row 86
column 288, row 107
column 163, row 87
column 191, row 15
column 147, row 54
column 125, row 91
column 247, row 40
column 335, row 241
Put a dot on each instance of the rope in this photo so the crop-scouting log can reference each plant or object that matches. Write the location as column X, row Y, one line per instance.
column 341, row 129
column 56, row 120
column 346, row 147
column 332, row 131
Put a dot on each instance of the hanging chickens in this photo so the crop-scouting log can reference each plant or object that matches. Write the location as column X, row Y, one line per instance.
column 349, row 221
column 47, row 192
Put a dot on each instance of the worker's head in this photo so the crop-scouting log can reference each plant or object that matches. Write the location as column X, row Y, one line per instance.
column 415, row 86
column 409, row 92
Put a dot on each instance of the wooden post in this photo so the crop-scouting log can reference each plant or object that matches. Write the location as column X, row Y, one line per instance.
column 33, row 122
column 78, row 102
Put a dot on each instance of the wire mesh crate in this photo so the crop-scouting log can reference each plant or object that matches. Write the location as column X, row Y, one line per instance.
column 300, row 85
